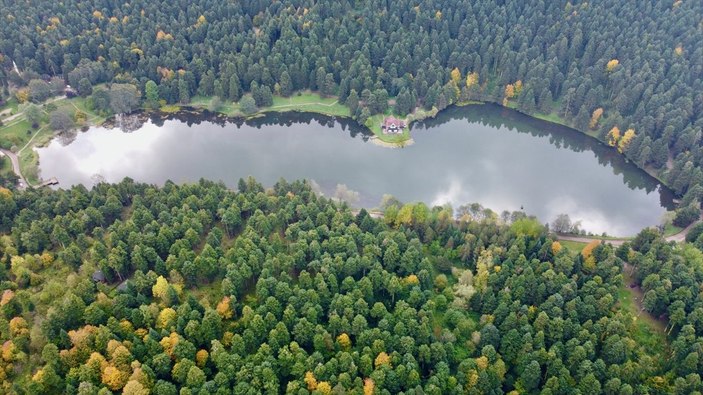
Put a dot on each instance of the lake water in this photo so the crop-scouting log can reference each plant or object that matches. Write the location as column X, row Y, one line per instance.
column 486, row 154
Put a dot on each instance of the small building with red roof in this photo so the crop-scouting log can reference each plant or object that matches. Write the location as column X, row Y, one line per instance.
column 392, row 125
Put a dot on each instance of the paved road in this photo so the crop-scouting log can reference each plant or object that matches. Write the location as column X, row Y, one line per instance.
column 15, row 167
column 13, row 117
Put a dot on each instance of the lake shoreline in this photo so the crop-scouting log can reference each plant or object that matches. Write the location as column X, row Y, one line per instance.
column 305, row 102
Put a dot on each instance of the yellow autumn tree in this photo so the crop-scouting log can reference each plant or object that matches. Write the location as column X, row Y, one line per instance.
column 135, row 388
column 159, row 289
column 626, row 139
column 556, row 247
column 324, row 388
column 613, row 136
column 9, row 350
column 485, row 262
column 169, row 342
column 97, row 14
column 518, row 87
column 369, row 386
column 456, row 75
column 22, row 95
column 310, row 381
column 482, row 362
column 344, row 341
column 114, row 378
column 382, row 359
column 201, row 21
column 588, row 249
column 405, row 215
column 7, row 296
column 509, row 91
column 96, row 362
column 201, row 357
column 224, row 308
column 160, row 35
column 471, row 79
column 167, row 317
column 612, row 64
column 19, row 327
column 595, row 117
column 411, row 280
column 678, row 50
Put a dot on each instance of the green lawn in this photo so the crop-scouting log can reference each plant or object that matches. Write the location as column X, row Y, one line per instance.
column 16, row 133
column 12, row 105
column 573, row 246
column 671, row 229
column 374, row 124
column 309, row 102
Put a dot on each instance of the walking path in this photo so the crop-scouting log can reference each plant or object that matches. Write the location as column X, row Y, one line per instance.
column 13, row 117
column 678, row 237
column 16, row 168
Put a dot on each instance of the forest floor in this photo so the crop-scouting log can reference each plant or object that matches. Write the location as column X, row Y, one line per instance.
column 647, row 330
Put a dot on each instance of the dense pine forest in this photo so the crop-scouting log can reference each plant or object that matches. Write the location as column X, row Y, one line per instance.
column 630, row 73
column 197, row 289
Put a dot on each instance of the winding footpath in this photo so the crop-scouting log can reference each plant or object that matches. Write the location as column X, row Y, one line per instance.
column 22, row 184
column 678, row 237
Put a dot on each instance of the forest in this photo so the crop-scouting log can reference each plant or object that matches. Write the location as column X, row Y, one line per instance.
column 629, row 73
column 197, row 289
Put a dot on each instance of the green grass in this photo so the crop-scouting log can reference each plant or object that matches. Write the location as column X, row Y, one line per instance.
column 209, row 294
column 15, row 134
column 29, row 165
column 671, row 229
column 573, row 246
column 309, row 102
column 374, row 124
column 12, row 105
column 647, row 331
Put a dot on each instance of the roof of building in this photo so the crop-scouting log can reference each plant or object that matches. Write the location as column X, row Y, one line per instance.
column 98, row 275
column 391, row 121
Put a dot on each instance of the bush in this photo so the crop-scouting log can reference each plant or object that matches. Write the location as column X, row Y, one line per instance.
column 694, row 233
column 247, row 105
column 60, row 121
column 686, row 216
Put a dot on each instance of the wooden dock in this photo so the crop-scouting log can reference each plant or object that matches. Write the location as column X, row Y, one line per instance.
column 50, row 181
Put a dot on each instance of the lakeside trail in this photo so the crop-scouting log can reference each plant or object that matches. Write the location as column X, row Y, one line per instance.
column 16, row 168
column 678, row 237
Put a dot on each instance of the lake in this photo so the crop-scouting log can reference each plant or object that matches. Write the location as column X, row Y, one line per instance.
column 484, row 153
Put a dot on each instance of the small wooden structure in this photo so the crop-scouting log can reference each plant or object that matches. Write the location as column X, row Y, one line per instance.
column 391, row 125
column 70, row 92
column 98, row 276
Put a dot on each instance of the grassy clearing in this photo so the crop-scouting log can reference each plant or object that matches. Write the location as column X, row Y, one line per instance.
column 671, row 229
column 16, row 134
column 29, row 165
column 12, row 105
column 646, row 330
column 573, row 246
column 309, row 102
column 374, row 124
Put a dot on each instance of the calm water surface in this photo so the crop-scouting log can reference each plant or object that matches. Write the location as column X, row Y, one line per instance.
column 485, row 154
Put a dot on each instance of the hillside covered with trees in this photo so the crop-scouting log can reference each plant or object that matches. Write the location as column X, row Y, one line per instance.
column 283, row 291
column 630, row 73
